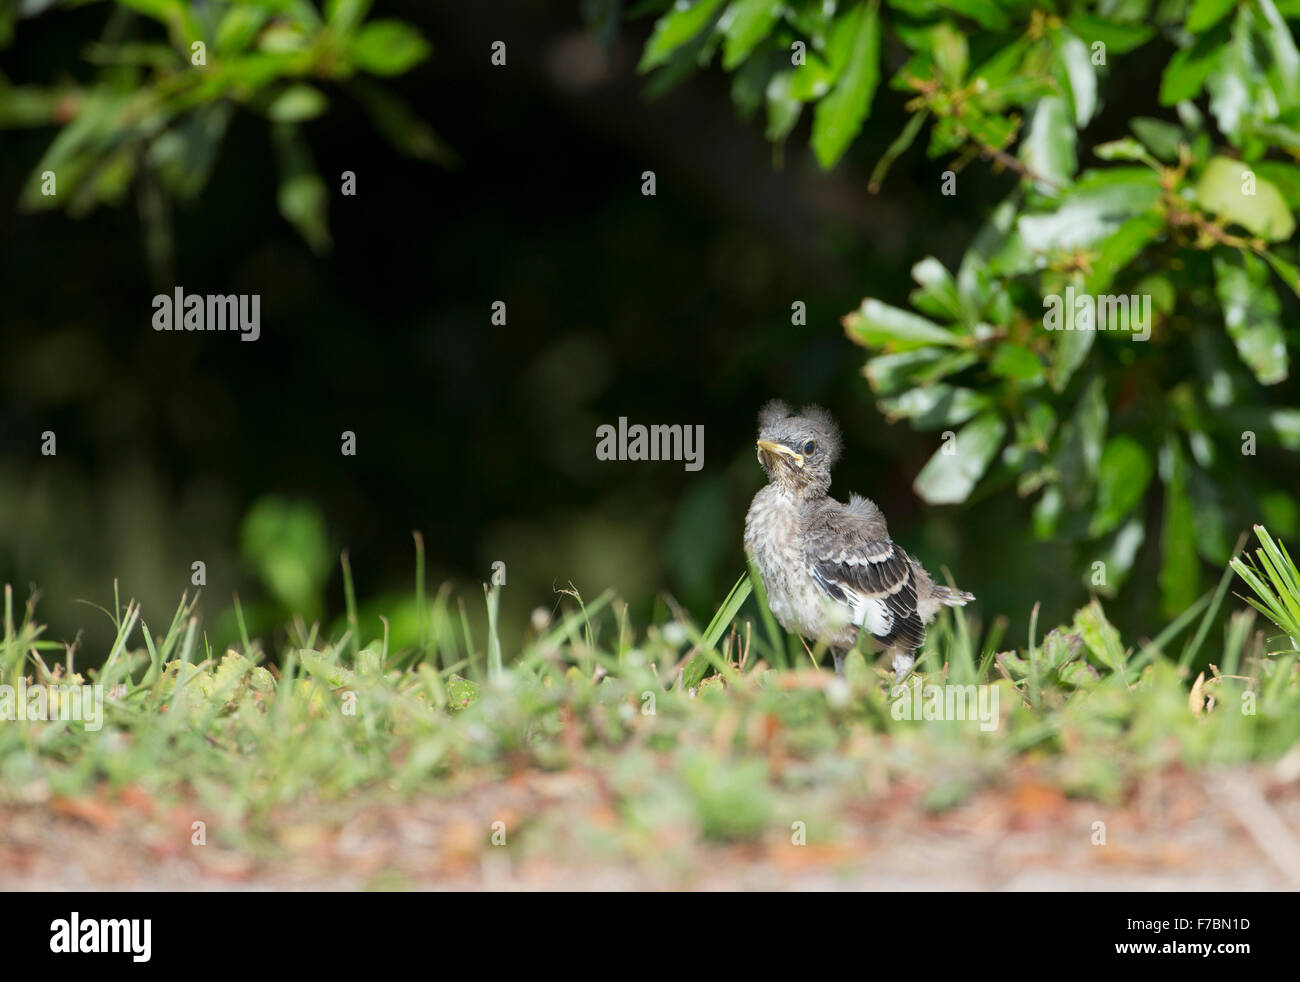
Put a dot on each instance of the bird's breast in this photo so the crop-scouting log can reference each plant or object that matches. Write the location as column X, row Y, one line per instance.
column 774, row 541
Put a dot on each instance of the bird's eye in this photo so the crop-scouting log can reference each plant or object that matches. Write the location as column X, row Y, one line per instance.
column 809, row 448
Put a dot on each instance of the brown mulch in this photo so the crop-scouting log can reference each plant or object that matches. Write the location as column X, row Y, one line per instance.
column 1234, row 829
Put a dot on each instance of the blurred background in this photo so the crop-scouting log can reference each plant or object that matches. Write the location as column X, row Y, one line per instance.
column 673, row 309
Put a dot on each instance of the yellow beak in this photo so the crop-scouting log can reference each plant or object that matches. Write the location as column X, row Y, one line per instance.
column 769, row 447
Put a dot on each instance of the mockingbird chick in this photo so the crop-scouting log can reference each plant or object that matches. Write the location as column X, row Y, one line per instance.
column 830, row 569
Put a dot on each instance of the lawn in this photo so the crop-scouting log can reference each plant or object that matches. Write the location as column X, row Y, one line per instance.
column 601, row 754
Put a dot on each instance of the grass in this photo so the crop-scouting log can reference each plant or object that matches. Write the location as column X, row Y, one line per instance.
column 716, row 732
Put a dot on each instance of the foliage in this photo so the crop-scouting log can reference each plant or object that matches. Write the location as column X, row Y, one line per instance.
column 165, row 81
column 285, row 543
column 1192, row 213
column 1276, row 581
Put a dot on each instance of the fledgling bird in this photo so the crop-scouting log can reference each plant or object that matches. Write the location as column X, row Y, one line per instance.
column 830, row 569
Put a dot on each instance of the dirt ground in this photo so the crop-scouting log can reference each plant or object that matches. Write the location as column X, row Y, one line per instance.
column 1230, row 830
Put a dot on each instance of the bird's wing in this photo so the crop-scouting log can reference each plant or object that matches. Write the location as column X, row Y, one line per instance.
column 872, row 577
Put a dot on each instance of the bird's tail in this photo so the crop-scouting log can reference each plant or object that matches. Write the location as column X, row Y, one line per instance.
column 951, row 597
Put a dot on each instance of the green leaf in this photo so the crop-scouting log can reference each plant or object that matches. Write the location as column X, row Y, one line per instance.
column 895, row 149
column 1285, row 70
column 399, row 124
column 345, row 16
column 1004, row 66
column 1036, row 428
column 1160, row 289
column 1118, row 554
column 680, row 24
column 1080, row 76
column 1016, row 362
column 302, row 197
column 1095, row 207
column 811, row 80
column 287, row 544
column 1122, row 478
column 1237, row 85
column 1284, row 177
column 1078, row 455
column 991, row 130
column 1250, row 313
column 938, row 294
column 749, row 86
column 185, row 155
column 1206, row 13
column 986, row 13
column 1048, row 148
column 297, row 103
column 1069, row 353
column 388, row 47
column 1222, row 190
column 839, row 116
column 1289, row 274
column 783, row 108
column 1161, row 138
column 1047, row 512
column 461, row 692
column 1117, row 38
column 1100, row 636
column 78, row 147
column 935, row 406
column 1125, row 148
column 1121, row 248
column 29, row 105
column 951, row 54
column 890, row 373
column 956, row 467
column 745, row 23
column 238, row 28
column 877, row 324
column 841, row 38
column 1187, row 70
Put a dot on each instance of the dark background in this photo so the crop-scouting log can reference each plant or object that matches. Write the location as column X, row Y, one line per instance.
column 666, row 309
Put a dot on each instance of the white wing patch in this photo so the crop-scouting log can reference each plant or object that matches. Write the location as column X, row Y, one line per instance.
column 869, row 612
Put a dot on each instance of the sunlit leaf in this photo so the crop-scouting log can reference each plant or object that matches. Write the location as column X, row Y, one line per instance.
column 1250, row 313
column 875, row 324
column 388, row 47
column 956, row 467
column 745, row 24
column 1227, row 189
column 1048, row 147
column 839, row 115
column 683, row 21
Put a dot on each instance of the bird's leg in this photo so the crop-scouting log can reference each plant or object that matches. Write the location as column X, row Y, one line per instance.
column 840, row 654
column 902, row 662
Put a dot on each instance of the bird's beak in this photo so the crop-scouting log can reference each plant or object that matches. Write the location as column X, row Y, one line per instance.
column 770, row 448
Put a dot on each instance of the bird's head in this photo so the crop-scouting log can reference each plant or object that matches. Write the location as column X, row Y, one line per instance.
column 797, row 449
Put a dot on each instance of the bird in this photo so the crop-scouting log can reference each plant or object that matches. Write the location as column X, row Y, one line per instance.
column 830, row 570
